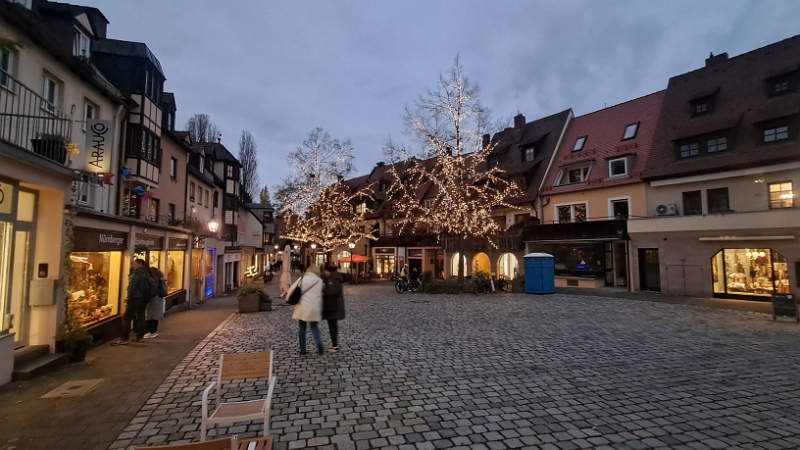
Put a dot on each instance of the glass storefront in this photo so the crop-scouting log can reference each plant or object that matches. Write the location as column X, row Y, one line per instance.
column 577, row 259
column 175, row 265
column 152, row 257
column 94, row 285
column 384, row 265
column 749, row 272
column 6, row 229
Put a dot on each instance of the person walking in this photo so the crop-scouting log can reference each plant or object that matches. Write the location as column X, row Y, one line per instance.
column 309, row 310
column 141, row 288
column 155, row 307
column 333, row 304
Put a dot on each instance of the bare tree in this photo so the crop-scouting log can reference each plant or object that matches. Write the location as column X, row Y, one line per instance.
column 248, row 157
column 201, row 129
column 263, row 196
column 450, row 189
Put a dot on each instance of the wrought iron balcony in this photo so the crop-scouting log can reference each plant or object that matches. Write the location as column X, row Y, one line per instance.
column 30, row 122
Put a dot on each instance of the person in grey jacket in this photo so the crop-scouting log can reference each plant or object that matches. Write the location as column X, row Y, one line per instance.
column 155, row 306
column 333, row 304
column 140, row 287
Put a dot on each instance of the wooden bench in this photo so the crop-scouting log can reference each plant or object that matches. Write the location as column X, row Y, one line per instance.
column 239, row 366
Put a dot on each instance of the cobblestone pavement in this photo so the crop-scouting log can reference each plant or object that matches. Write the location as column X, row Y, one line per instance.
column 504, row 371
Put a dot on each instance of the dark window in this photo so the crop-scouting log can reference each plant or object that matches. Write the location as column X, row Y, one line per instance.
column 216, row 199
column 618, row 167
column 171, row 211
column 692, row 203
column 382, row 186
column 191, row 191
column 630, row 131
column 716, row 145
column 620, row 209
column 529, row 154
column 781, row 195
column 782, row 84
column 493, row 162
column 579, row 143
column 776, row 134
column 717, row 200
column 688, row 150
column 520, row 218
column 173, row 168
column 702, row 106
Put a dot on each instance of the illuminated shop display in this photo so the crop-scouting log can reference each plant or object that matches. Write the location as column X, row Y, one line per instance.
column 758, row 272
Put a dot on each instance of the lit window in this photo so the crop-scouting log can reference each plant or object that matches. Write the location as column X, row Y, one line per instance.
column 617, row 167
column 230, row 171
column 717, row 145
column 781, row 195
column 630, row 131
column 776, row 134
column 689, row 150
column 571, row 213
column 361, row 208
column 579, row 144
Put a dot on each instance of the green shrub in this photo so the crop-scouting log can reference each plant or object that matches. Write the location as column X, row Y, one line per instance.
column 427, row 276
column 444, row 287
column 247, row 289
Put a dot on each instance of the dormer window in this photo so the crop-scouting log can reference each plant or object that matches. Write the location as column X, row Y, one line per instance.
column 493, row 161
column 782, row 84
column 618, row 167
column 528, row 154
column 361, row 208
column 404, row 182
column 574, row 174
column 383, row 186
column 630, row 131
column 80, row 45
column 776, row 134
column 202, row 164
column 579, row 143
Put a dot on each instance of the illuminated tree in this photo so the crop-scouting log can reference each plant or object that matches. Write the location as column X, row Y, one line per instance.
column 450, row 189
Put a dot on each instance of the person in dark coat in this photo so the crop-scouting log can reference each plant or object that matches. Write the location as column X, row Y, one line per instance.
column 333, row 304
column 140, row 289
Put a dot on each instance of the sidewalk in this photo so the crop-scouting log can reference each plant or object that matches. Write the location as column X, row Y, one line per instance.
column 720, row 303
column 130, row 374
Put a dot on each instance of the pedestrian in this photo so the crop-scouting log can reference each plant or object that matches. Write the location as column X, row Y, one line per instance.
column 333, row 304
column 141, row 288
column 155, row 307
column 309, row 310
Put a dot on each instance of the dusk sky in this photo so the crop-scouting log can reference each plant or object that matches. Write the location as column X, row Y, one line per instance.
column 279, row 69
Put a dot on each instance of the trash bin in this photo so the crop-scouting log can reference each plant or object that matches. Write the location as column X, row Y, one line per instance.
column 540, row 277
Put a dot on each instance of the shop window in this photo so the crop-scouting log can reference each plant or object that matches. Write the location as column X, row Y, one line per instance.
column 692, row 203
column 781, row 195
column 717, row 200
column 151, row 257
column 630, row 131
column 175, row 261
column 6, row 233
column 758, row 272
column 344, row 265
column 571, row 213
column 776, row 134
column 94, row 284
column 579, row 143
column 586, row 260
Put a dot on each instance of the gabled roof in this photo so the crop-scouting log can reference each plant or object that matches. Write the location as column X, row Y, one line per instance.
column 127, row 48
column 603, row 132
column 741, row 110
column 217, row 151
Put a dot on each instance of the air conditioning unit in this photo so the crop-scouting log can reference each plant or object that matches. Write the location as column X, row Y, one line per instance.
column 669, row 209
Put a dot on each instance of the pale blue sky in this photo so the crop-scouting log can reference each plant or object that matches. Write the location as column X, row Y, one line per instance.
column 281, row 68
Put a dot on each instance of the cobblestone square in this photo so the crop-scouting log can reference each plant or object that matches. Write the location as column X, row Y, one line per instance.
column 503, row 371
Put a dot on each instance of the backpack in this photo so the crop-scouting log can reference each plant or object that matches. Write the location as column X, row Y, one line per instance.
column 162, row 288
column 153, row 283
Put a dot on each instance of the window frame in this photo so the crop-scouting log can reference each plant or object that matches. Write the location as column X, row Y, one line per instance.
column 790, row 79
column 49, row 84
column 191, row 191
column 7, row 57
column 571, row 205
column 525, row 153
column 612, row 201
column 610, row 161
column 684, row 195
column 173, row 168
column 635, row 131
column 716, row 144
column 716, row 209
column 81, row 47
column 89, row 112
column 689, row 150
column 582, row 141
column 776, row 132
column 781, row 200
column 202, row 164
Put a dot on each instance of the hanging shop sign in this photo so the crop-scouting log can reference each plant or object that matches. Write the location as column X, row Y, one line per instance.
column 6, row 197
column 178, row 244
column 99, row 140
column 91, row 240
column 144, row 241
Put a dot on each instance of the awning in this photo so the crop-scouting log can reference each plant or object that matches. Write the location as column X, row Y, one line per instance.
column 355, row 259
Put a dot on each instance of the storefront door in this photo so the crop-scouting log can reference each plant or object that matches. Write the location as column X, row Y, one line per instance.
column 621, row 263
column 19, row 287
column 649, row 270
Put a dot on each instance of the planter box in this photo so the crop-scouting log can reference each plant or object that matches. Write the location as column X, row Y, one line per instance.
column 249, row 303
column 53, row 149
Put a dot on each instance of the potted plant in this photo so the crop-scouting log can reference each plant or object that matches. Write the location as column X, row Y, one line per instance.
column 253, row 299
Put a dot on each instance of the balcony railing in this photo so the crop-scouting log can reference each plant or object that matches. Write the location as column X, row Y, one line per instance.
column 29, row 121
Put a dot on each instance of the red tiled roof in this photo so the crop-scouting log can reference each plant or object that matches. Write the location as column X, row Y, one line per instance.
column 604, row 130
column 741, row 96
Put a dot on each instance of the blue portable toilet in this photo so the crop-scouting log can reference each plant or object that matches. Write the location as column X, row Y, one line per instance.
column 540, row 275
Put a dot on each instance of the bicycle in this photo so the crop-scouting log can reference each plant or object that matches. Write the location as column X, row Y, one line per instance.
column 400, row 285
column 479, row 285
column 412, row 285
column 502, row 285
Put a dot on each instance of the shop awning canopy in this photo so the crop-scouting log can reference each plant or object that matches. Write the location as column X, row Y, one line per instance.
column 355, row 259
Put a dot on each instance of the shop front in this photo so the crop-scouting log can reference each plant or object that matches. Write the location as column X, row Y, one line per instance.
column 385, row 262
column 96, row 278
column 176, row 272
column 749, row 273
column 150, row 248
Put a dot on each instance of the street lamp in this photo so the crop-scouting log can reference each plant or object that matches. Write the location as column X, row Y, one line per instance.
column 213, row 226
column 352, row 246
column 314, row 253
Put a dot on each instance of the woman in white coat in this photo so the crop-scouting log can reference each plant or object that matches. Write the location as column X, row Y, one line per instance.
column 309, row 310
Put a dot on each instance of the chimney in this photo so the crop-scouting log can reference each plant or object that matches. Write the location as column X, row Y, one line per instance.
column 486, row 139
column 714, row 60
column 380, row 164
column 519, row 121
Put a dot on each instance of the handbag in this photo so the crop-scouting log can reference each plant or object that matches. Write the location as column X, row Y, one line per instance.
column 297, row 293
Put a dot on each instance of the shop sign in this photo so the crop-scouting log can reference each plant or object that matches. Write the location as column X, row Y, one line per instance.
column 6, row 197
column 178, row 244
column 233, row 249
column 384, row 251
column 99, row 139
column 89, row 240
column 148, row 242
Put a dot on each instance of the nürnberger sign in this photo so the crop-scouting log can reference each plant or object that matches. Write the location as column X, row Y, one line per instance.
column 91, row 240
